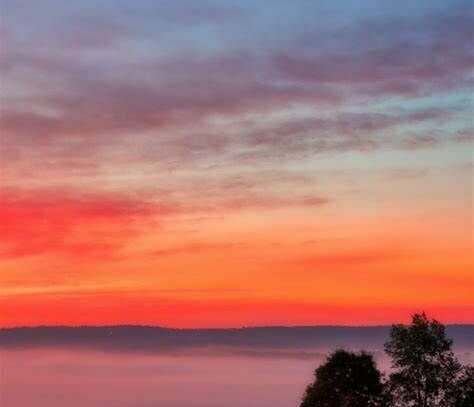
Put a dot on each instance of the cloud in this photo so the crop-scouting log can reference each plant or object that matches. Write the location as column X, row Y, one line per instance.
column 342, row 132
column 95, row 224
column 70, row 223
column 168, row 104
column 95, row 112
column 419, row 142
column 346, row 259
column 404, row 174
column 465, row 135
column 387, row 58
column 174, row 111
column 195, row 248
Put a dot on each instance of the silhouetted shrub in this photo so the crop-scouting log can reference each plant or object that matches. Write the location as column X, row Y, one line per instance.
column 346, row 380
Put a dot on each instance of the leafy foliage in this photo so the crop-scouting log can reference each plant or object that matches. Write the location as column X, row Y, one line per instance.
column 426, row 372
column 464, row 395
column 346, row 380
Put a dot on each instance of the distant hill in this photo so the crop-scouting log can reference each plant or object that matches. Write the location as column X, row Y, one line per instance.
column 155, row 339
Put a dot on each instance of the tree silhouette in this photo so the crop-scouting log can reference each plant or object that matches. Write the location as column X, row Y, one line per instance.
column 346, row 380
column 464, row 395
column 426, row 372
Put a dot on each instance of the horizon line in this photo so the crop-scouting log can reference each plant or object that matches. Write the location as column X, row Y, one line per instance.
column 3, row 328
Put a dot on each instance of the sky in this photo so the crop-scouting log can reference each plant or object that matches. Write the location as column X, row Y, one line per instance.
column 235, row 163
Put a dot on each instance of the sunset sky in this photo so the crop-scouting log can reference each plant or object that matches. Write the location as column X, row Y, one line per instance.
column 229, row 163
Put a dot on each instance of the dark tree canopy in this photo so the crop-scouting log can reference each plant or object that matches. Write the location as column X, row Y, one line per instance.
column 426, row 372
column 464, row 394
column 346, row 380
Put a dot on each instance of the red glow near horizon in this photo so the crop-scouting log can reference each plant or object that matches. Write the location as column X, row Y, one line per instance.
column 174, row 169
